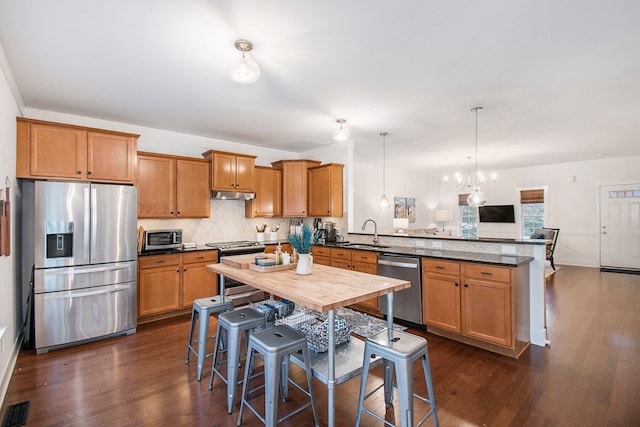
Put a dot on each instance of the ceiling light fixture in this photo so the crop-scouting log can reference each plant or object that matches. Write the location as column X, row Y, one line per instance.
column 245, row 70
column 383, row 203
column 341, row 134
column 476, row 198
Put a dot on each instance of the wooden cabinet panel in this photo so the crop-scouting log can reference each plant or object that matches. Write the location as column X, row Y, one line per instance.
column 321, row 251
column 364, row 257
column 294, row 186
column 487, row 311
column 54, row 150
column 156, row 182
column 110, row 157
column 441, row 267
column 441, row 301
column 192, row 189
column 322, row 260
column 158, row 284
column 197, row 280
column 230, row 171
column 341, row 263
column 268, row 200
column 325, row 190
column 337, row 253
column 172, row 186
column 487, row 272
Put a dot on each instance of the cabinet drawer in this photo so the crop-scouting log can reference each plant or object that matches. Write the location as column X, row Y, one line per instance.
column 200, row 256
column 443, row 267
column 341, row 253
column 364, row 256
column 158, row 261
column 321, row 251
column 487, row 272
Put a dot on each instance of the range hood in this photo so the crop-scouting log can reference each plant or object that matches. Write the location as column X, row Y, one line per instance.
column 232, row 195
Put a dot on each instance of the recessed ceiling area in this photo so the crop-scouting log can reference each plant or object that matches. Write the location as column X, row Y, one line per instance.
column 558, row 81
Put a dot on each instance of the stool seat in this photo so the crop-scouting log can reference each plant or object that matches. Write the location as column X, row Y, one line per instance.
column 234, row 323
column 202, row 309
column 276, row 344
column 398, row 356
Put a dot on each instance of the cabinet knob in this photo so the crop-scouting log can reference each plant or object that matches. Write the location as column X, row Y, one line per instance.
column 78, row 172
column 88, row 172
column 184, row 269
column 457, row 284
column 177, row 271
column 466, row 286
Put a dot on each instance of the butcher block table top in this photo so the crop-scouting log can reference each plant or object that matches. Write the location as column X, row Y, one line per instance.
column 326, row 288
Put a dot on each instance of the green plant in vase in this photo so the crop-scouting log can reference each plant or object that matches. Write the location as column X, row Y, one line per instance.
column 301, row 242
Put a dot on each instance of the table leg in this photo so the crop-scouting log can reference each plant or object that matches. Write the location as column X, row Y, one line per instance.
column 332, row 369
column 221, row 286
column 390, row 316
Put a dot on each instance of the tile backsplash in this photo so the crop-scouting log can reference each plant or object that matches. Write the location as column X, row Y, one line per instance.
column 226, row 223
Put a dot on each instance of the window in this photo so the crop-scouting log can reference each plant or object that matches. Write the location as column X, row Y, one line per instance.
column 468, row 218
column 532, row 211
column 468, row 221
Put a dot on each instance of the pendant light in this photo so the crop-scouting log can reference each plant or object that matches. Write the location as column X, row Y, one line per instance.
column 245, row 70
column 341, row 134
column 383, row 203
column 476, row 198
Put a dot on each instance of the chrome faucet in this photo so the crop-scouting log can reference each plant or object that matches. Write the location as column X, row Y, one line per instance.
column 375, row 230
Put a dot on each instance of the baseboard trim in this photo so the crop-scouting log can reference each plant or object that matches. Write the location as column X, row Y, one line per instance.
column 8, row 372
column 619, row 270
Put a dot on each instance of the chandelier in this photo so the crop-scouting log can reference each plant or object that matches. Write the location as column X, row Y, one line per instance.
column 472, row 182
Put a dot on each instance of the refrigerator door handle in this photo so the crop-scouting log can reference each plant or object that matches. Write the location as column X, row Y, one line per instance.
column 79, row 294
column 94, row 221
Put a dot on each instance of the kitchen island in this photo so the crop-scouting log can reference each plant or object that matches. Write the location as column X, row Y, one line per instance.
column 325, row 290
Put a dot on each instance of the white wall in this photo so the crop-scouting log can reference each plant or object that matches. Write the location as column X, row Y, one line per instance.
column 10, row 311
column 572, row 202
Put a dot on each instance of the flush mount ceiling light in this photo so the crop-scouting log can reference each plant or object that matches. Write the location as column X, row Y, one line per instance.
column 245, row 70
column 383, row 203
column 341, row 134
column 476, row 198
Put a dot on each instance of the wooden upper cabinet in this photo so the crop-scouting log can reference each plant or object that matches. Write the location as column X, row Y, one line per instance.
column 294, row 186
column 325, row 190
column 230, row 171
column 268, row 200
column 52, row 150
column 172, row 186
column 156, row 181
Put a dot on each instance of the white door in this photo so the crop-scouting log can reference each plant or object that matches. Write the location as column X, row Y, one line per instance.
column 620, row 226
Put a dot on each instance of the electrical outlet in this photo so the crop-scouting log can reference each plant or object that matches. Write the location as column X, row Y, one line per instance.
column 420, row 243
column 509, row 249
column 436, row 244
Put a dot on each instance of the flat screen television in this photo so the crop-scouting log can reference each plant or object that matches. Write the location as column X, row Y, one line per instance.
column 497, row 213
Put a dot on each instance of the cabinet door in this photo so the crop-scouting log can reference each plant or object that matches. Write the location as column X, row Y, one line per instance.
column 341, row 263
column 110, row 157
column 325, row 190
column 223, row 174
column 321, row 260
column 245, row 170
column 486, row 311
column 294, row 190
column 366, row 267
column 268, row 187
column 58, row 152
column 156, row 187
column 192, row 189
column 441, row 301
column 198, row 281
column 159, row 290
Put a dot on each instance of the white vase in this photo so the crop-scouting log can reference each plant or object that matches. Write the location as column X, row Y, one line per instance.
column 305, row 261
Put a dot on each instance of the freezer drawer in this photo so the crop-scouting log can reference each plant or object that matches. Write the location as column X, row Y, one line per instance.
column 70, row 278
column 63, row 318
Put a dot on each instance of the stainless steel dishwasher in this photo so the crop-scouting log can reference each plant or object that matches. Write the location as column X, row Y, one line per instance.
column 407, row 304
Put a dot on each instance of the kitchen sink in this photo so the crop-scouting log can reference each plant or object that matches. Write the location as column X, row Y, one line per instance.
column 365, row 246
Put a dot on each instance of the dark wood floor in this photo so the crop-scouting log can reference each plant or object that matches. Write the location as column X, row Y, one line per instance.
column 590, row 376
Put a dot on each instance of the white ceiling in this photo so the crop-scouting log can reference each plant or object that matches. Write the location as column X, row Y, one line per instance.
column 559, row 80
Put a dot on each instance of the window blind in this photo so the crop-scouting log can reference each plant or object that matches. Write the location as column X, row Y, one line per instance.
column 462, row 199
column 532, row 196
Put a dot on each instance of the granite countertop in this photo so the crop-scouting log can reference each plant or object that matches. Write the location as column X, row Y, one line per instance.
column 176, row 251
column 462, row 239
column 495, row 259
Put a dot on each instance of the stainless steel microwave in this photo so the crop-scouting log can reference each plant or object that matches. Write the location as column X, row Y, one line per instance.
column 162, row 239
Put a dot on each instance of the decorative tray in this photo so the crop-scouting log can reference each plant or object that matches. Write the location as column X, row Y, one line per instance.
column 271, row 268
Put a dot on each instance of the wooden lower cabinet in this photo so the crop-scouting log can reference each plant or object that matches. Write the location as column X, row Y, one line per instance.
column 362, row 261
column 168, row 284
column 479, row 304
column 321, row 255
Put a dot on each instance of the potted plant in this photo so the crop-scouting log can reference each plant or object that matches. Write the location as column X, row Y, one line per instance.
column 301, row 242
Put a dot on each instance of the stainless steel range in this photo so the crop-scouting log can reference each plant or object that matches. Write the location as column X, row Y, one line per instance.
column 239, row 293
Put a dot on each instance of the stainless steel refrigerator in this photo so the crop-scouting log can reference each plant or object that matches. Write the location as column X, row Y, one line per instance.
column 84, row 254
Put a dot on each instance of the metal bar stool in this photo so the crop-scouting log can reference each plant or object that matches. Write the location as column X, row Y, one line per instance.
column 203, row 308
column 234, row 323
column 276, row 345
column 399, row 355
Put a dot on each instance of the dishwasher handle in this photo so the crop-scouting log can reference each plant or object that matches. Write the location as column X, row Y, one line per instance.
column 398, row 264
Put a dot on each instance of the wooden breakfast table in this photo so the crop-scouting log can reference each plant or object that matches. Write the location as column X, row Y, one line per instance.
column 325, row 290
